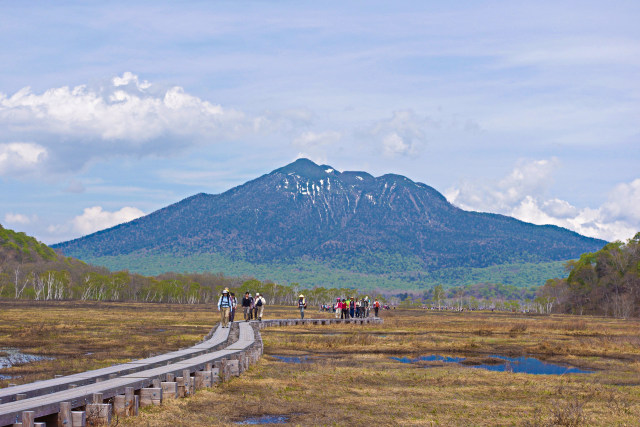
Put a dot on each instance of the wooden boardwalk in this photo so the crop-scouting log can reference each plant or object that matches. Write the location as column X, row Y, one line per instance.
column 224, row 352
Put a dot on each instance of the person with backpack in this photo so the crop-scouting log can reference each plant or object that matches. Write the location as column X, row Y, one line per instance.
column 345, row 309
column 224, row 307
column 352, row 307
column 247, row 302
column 376, row 307
column 302, row 304
column 234, row 305
column 260, row 303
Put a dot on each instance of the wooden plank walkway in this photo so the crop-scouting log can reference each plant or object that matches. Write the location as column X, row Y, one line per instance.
column 62, row 383
column 214, row 359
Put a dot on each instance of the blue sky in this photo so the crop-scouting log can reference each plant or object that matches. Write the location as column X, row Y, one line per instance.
column 109, row 111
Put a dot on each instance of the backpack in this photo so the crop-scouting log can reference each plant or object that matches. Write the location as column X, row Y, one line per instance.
column 259, row 303
column 377, row 304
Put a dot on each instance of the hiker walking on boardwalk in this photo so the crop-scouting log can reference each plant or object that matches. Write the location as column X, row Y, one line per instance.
column 260, row 303
column 338, row 308
column 345, row 309
column 367, row 304
column 247, row 302
column 352, row 307
column 376, row 307
column 224, row 306
column 234, row 304
column 302, row 304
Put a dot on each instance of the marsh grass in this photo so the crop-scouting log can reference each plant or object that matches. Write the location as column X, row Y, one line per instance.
column 82, row 336
column 353, row 381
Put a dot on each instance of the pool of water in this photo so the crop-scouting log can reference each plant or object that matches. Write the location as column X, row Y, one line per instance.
column 525, row 365
column 12, row 356
column 266, row 419
column 293, row 359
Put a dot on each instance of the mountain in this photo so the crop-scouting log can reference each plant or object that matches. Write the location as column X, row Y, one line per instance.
column 306, row 217
column 19, row 248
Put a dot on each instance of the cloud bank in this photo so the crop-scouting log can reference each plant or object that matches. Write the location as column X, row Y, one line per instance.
column 66, row 127
column 521, row 194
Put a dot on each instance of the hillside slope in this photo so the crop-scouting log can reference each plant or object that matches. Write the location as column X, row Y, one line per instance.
column 353, row 221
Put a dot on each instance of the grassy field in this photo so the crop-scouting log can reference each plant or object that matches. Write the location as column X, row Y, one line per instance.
column 351, row 378
column 90, row 335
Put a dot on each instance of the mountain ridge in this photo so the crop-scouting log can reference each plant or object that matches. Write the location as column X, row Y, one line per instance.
column 348, row 220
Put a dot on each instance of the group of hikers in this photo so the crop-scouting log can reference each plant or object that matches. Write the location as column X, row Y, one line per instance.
column 346, row 308
column 253, row 307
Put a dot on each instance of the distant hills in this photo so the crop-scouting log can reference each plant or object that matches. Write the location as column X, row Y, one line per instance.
column 19, row 248
column 312, row 224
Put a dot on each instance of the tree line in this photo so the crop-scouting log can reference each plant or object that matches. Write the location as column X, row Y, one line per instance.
column 606, row 282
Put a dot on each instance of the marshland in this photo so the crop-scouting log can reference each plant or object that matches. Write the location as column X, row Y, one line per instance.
column 351, row 373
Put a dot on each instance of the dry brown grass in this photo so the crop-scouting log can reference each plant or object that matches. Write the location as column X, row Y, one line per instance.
column 352, row 380
column 82, row 336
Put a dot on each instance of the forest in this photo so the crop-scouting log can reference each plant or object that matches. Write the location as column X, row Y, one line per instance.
column 31, row 270
column 606, row 282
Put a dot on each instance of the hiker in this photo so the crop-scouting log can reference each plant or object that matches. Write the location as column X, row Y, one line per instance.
column 352, row 307
column 259, row 302
column 338, row 308
column 224, row 306
column 234, row 304
column 376, row 307
column 345, row 309
column 302, row 304
column 367, row 305
column 247, row 301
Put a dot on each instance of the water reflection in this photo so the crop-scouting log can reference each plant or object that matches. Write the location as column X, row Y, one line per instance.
column 12, row 356
column 526, row 365
column 266, row 419
column 293, row 359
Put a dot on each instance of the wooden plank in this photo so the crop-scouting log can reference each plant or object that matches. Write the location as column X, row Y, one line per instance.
column 119, row 407
column 143, row 373
column 99, row 413
column 169, row 390
column 64, row 415
column 79, row 418
column 150, row 396
column 61, row 383
column 28, row 418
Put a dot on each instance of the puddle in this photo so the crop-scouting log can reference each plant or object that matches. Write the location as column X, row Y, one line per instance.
column 12, row 356
column 293, row 359
column 525, row 365
column 266, row 419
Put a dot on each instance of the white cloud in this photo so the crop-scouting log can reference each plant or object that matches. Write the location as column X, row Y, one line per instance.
column 128, row 78
column 521, row 195
column 21, row 157
column 69, row 126
column 317, row 139
column 526, row 178
column 624, row 203
column 16, row 218
column 116, row 113
column 95, row 219
column 403, row 134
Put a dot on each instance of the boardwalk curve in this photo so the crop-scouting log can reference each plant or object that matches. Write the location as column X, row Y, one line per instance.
column 79, row 399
